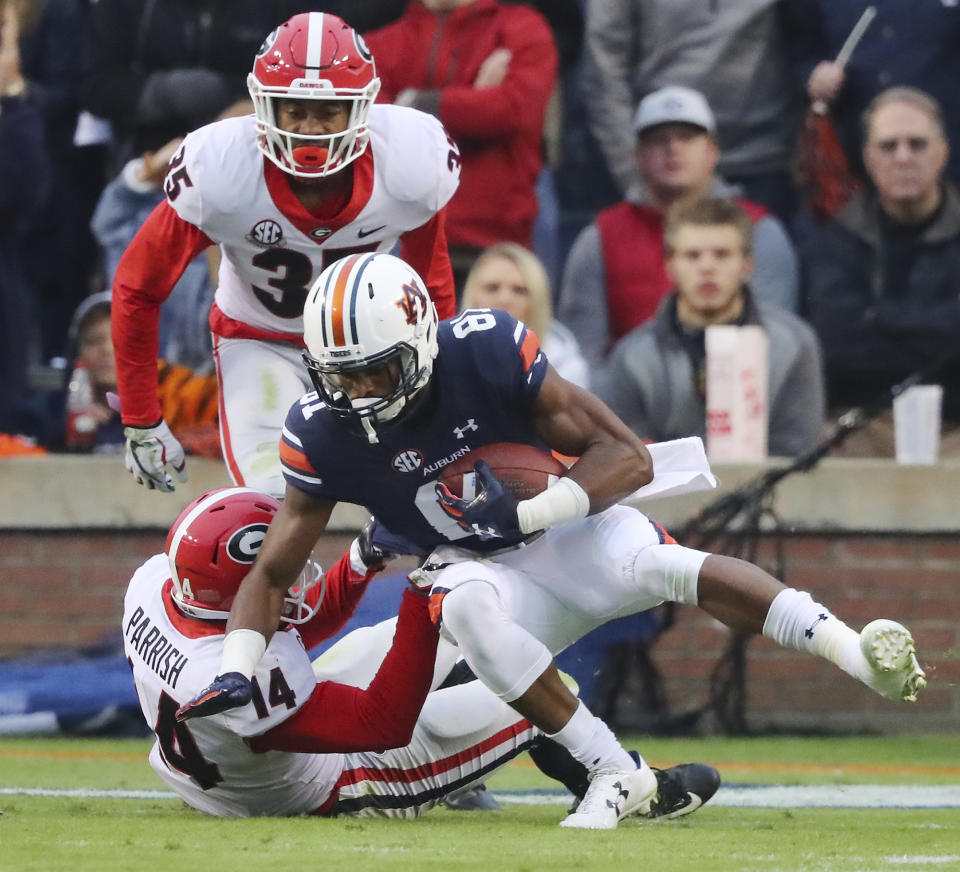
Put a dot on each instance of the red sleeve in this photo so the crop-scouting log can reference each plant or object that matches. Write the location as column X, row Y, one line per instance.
column 521, row 98
column 425, row 249
column 344, row 589
column 342, row 718
column 146, row 274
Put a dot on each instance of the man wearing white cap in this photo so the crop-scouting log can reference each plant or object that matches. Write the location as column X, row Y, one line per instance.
column 615, row 276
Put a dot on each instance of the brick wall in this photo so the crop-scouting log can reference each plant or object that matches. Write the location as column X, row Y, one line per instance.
column 67, row 589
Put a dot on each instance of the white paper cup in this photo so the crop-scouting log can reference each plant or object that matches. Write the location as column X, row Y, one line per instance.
column 916, row 424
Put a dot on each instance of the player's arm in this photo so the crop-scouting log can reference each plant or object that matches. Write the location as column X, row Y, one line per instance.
column 613, row 461
column 148, row 270
column 612, row 464
column 342, row 718
column 425, row 249
column 257, row 609
column 346, row 581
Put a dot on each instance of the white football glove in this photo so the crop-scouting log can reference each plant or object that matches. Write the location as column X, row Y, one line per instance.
column 152, row 454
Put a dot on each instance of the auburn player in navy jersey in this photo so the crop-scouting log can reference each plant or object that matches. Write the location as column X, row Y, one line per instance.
column 512, row 583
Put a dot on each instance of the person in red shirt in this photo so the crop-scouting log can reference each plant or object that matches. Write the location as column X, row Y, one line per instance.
column 318, row 172
column 487, row 70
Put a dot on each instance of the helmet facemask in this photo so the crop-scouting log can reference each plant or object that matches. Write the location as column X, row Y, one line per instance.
column 312, row 155
column 331, row 379
column 313, row 56
column 368, row 317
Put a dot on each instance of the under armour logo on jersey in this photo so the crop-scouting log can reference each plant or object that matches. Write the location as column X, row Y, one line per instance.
column 412, row 303
column 460, row 432
column 266, row 233
column 809, row 631
column 407, row 461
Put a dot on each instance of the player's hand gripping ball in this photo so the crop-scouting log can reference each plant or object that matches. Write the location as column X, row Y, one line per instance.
column 481, row 490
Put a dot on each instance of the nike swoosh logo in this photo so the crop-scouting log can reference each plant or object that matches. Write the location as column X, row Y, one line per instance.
column 364, row 233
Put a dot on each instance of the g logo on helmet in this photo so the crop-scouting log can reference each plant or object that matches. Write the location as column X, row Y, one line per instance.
column 267, row 44
column 365, row 52
column 244, row 545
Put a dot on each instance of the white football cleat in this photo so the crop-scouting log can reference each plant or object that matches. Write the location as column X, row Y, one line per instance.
column 890, row 651
column 611, row 796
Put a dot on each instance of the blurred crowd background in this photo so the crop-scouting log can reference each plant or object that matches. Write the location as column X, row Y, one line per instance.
column 584, row 126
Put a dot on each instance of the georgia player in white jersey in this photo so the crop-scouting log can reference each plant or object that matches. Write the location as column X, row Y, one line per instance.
column 321, row 734
column 317, row 173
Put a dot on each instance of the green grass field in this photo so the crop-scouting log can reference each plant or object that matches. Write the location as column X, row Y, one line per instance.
column 40, row 833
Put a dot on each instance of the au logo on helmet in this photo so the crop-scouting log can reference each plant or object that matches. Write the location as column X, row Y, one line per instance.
column 412, row 302
column 244, row 544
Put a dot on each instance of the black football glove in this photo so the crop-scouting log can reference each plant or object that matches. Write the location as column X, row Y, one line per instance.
column 227, row 691
column 491, row 514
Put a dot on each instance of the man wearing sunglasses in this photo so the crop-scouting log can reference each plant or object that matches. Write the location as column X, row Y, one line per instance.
column 883, row 277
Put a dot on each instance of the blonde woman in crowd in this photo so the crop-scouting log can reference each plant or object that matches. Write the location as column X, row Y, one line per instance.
column 507, row 276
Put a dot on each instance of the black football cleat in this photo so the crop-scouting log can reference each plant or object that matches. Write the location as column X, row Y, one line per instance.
column 682, row 790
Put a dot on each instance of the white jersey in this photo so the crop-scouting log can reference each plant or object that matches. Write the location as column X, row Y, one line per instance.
column 205, row 760
column 272, row 248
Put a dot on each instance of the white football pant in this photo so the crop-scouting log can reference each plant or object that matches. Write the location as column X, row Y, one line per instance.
column 259, row 382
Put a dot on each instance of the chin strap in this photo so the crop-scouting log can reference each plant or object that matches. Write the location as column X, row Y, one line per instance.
column 369, row 429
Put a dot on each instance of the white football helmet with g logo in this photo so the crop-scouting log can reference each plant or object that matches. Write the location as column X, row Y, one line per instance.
column 364, row 312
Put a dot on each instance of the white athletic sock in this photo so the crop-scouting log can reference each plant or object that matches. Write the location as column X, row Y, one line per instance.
column 591, row 742
column 796, row 620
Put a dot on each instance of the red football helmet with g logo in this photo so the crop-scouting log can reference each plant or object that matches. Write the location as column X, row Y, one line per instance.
column 313, row 56
column 211, row 548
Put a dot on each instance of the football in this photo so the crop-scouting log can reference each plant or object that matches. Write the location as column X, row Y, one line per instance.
column 524, row 470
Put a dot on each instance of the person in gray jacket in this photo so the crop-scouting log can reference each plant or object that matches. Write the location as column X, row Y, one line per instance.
column 655, row 377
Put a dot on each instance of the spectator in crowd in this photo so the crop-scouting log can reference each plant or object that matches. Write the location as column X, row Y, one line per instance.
column 92, row 419
column 655, row 378
column 161, row 68
column 882, row 277
column 912, row 44
column 487, row 70
column 314, row 175
column 615, row 276
column 53, row 58
column 24, row 182
column 124, row 205
column 507, row 276
column 733, row 53
column 91, row 425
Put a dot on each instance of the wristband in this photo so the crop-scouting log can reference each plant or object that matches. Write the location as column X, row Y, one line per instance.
column 563, row 501
column 242, row 650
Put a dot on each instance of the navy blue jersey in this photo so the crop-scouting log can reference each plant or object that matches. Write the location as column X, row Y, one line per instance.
column 486, row 376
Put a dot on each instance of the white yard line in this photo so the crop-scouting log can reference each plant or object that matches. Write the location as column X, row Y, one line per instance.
column 729, row 796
